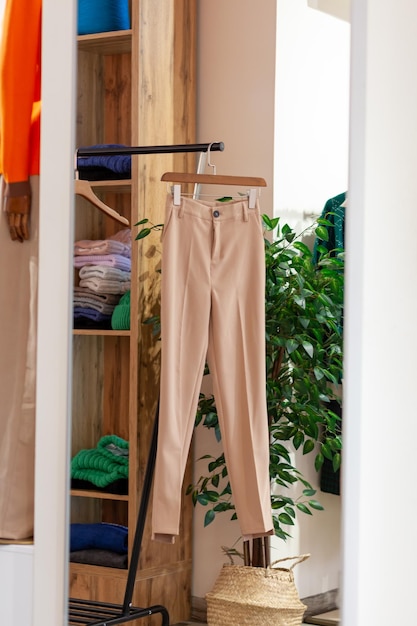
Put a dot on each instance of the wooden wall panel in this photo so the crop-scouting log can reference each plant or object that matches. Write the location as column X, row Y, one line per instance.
column 117, row 99
column 87, row 392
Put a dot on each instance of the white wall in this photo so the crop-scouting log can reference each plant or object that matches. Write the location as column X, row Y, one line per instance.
column 312, row 108
column 311, row 166
column 236, row 66
column 380, row 497
column 236, row 60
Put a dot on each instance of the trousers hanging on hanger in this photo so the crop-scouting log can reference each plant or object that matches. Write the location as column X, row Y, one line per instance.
column 212, row 305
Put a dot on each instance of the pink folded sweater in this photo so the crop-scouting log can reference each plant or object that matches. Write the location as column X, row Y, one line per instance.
column 116, row 261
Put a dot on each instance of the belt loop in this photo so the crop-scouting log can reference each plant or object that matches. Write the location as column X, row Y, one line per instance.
column 245, row 211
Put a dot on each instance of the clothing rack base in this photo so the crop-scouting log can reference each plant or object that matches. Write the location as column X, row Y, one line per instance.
column 90, row 613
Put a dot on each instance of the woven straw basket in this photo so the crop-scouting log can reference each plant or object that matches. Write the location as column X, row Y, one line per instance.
column 256, row 596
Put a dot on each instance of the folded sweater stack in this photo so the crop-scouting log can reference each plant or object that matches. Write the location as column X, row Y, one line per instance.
column 104, row 271
column 99, row 544
column 108, row 462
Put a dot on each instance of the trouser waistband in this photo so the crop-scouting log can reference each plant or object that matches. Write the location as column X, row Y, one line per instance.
column 215, row 210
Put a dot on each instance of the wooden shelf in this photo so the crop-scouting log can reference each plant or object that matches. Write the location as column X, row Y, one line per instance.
column 86, row 493
column 118, row 186
column 93, row 332
column 102, row 572
column 114, row 42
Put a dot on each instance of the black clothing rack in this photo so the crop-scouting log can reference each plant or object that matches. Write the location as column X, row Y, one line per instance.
column 94, row 613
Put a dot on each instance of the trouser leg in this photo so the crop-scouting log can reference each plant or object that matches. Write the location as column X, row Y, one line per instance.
column 237, row 363
column 185, row 310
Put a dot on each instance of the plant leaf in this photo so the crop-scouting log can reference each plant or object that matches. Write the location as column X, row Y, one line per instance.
column 318, row 462
column 143, row 233
column 284, row 518
column 308, row 446
column 316, row 505
column 308, row 347
column 291, row 345
column 322, row 233
column 299, row 245
column 302, row 507
column 209, row 517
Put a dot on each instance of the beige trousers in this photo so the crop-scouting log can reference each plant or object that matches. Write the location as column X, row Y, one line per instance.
column 213, row 306
column 18, row 297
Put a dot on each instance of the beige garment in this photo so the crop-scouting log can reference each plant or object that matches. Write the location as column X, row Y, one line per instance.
column 213, row 304
column 18, row 298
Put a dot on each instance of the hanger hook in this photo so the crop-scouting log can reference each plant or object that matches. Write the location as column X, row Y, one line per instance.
column 209, row 157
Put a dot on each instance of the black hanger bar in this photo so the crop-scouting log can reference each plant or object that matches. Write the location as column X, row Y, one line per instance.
column 215, row 146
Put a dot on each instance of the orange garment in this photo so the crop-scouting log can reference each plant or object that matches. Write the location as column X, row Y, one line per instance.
column 20, row 83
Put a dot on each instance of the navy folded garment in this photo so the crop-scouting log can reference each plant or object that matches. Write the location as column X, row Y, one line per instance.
column 84, row 322
column 102, row 173
column 117, row 163
column 102, row 536
column 105, row 558
column 119, row 486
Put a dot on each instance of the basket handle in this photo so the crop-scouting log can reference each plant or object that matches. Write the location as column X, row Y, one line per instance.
column 298, row 559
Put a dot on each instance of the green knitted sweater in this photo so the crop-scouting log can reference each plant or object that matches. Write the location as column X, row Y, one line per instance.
column 102, row 465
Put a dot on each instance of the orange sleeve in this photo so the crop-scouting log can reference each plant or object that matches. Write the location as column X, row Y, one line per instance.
column 20, row 81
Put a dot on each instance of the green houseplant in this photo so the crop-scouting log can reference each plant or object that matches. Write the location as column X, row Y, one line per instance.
column 304, row 354
column 304, row 357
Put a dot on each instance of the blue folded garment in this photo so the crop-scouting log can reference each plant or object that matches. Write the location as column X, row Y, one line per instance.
column 99, row 16
column 102, row 536
column 117, row 163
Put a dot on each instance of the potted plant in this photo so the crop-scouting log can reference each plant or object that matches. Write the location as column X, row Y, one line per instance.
column 304, row 361
column 304, row 355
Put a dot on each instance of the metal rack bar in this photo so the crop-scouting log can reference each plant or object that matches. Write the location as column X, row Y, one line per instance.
column 140, row 525
column 215, row 146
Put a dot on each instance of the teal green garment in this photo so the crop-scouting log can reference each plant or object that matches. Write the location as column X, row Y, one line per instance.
column 102, row 465
column 334, row 212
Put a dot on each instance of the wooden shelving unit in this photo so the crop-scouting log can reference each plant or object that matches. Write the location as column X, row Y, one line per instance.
column 135, row 87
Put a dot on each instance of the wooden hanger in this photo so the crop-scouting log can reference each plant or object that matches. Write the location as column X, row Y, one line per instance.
column 213, row 179
column 84, row 189
column 253, row 182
